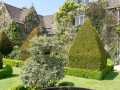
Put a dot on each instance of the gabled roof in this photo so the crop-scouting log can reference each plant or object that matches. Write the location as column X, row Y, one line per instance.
column 46, row 21
column 16, row 14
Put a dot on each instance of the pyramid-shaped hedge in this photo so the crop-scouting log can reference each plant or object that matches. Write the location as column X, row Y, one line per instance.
column 5, row 43
column 24, row 53
column 87, row 51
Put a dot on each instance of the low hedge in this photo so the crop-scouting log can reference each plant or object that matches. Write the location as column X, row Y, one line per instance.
column 6, row 71
column 21, row 87
column 91, row 74
column 13, row 63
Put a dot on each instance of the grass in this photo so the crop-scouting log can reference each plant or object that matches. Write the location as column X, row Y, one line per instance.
column 110, row 82
column 7, row 83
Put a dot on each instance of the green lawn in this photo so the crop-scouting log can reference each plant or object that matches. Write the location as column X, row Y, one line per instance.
column 110, row 82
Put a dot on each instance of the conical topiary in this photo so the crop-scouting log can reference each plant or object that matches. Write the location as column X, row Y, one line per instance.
column 87, row 51
column 5, row 44
column 24, row 53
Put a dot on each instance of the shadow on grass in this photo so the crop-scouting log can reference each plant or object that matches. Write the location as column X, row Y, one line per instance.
column 66, row 84
column 111, row 75
column 13, row 75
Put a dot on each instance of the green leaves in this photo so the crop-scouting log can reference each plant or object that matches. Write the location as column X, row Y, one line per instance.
column 45, row 64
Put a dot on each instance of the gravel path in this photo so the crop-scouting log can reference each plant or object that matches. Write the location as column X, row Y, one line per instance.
column 117, row 67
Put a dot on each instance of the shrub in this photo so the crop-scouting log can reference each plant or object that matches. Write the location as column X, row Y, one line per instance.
column 5, row 44
column 6, row 71
column 91, row 74
column 21, row 87
column 24, row 53
column 1, row 63
column 66, row 84
column 87, row 51
column 13, row 63
column 42, row 69
column 15, row 54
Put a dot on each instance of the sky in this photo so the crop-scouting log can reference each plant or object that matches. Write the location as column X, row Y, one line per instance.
column 43, row 7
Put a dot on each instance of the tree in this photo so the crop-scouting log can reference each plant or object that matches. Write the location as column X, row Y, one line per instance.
column 42, row 68
column 5, row 44
column 64, row 22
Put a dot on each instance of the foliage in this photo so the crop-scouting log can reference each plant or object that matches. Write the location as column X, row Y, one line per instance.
column 21, row 87
column 118, row 28
column 63, row 23
column 42, row 68
column 13, row 63
column 91, row 74
column 15, row 54
column 5, row 44
column 66, row 84
column 13, row 32
column 87, row 51
column 24, row 53
column 6, row 71
column 99, row 17
column 1, row 62
column 96, row 13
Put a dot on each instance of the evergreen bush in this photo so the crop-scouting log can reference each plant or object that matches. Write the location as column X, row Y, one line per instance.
column 1, row 62
column 87, row 51
column 5, row 44
column 6, row 71
column 24, row 53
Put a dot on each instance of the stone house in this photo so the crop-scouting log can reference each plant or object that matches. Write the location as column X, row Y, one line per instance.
column 26, row 18
column 113, row 7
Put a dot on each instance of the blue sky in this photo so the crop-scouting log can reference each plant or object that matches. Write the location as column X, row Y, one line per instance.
column 43, row 7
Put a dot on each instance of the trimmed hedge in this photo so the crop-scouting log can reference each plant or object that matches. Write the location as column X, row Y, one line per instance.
column 5, row 44
column 21, row 87
column 66, row 84
column 6, row 71
column 24, row 53
column 87, row 51
column 13, row 63
column 90, row 74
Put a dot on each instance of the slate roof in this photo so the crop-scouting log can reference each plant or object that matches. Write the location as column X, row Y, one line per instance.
column 16, row 14
column 46, row 21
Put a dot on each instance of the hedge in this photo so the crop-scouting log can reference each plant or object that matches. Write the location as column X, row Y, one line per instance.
column 24, row 53
column 90, row 74
column 21, row 87
column 6, row 71
column 13, row 63
column 87, row 51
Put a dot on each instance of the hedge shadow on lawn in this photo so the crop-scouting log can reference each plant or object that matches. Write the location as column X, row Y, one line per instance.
column 111, row 75
column 13, row 75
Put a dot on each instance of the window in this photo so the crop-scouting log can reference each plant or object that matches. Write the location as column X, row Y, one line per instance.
column 119, row 13
column 86, row 1
column 26, row 30
column 77, row 1
column 77, row 20
column 80, row 20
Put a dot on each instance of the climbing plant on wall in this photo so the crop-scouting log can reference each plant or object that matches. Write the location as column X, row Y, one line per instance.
column 13, row 32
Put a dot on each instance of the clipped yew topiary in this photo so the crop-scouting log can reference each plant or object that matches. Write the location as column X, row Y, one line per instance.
column 24, row 53
column 87, row 51
column 5, row 44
